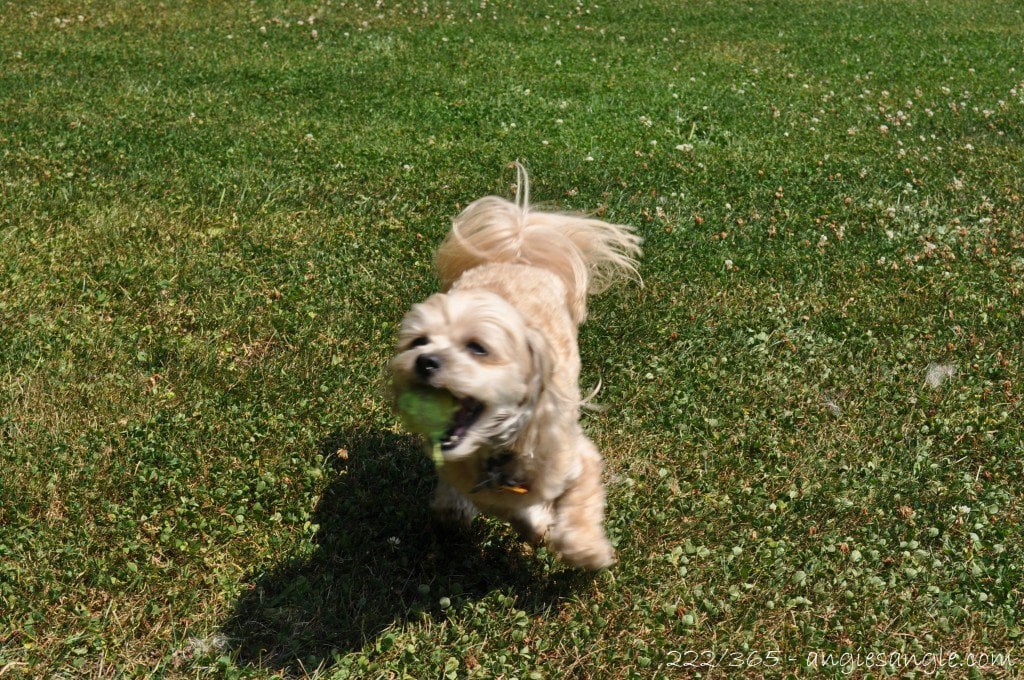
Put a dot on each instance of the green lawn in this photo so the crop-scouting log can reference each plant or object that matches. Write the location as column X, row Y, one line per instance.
column 214, row 214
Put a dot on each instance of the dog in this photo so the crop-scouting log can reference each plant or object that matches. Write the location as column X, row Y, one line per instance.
column 501, row 338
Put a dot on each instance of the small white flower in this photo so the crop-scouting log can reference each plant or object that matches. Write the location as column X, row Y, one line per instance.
column 935, row 376
column 202, row 646
column 884, row 129
column 685, row 148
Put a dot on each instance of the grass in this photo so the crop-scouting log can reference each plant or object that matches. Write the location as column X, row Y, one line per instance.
column 214, row 214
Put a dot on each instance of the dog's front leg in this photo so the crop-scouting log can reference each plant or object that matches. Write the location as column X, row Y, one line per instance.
column 451, row 507
column 533, row 522
column 578, row 534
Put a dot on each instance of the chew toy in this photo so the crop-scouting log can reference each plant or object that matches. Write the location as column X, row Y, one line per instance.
column 428, row 412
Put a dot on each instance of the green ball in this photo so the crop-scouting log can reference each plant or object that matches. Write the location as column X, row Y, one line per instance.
column 428, row 412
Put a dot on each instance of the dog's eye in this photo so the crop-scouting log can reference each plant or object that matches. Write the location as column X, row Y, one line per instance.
column 476, row 348
column 419, row 342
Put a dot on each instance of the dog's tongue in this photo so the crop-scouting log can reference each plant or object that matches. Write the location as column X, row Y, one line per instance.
column 469, row 410
column 462, row 417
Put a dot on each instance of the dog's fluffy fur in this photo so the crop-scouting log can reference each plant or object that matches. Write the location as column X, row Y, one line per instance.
column 501, row 338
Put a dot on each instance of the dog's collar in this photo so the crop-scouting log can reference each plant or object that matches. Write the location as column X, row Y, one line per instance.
column 495, row 477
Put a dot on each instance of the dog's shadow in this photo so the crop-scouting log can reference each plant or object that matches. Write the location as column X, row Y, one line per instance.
column 378, row 561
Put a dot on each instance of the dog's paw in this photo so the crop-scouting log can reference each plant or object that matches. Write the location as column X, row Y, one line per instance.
column 591, row 556
column 533, row 523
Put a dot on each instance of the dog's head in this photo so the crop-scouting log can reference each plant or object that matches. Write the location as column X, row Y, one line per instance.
column 477, row 347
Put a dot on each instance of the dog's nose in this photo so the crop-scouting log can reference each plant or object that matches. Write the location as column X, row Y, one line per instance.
column 427, row 365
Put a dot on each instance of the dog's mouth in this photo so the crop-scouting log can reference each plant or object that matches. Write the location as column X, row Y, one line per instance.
column 469, row 412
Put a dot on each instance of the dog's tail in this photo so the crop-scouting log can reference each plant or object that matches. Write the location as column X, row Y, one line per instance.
column 586, row 254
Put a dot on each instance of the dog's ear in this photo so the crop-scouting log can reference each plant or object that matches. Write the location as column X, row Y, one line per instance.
column 541, row 363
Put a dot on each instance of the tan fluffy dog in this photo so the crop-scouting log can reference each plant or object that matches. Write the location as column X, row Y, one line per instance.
column 501, row 339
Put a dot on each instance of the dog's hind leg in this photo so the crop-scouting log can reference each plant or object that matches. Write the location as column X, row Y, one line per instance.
column 578, row 534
